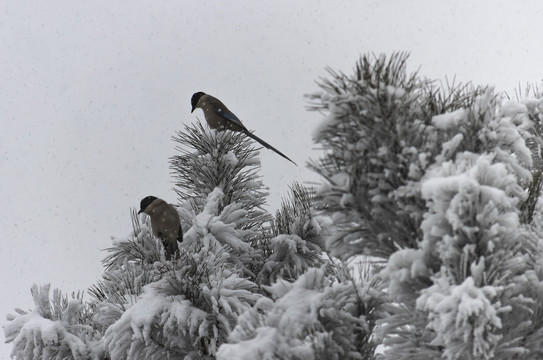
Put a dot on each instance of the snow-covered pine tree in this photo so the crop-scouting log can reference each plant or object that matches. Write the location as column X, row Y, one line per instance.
column 318, row 316
column 432, row 181
column 208, row 159
column 60, row 327
column 191, row 310
column 435, row 184
column 378, row 147
column 145, row 307
column 531, row 102
column 313, row 309
column 482, row 300
column 297, row 242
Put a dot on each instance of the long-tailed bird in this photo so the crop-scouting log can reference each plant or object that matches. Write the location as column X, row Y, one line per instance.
column 219, row 117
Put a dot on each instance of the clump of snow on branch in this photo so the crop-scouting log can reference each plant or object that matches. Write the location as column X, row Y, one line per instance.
column 465, row 317
column 311, row 318
column 54, row 329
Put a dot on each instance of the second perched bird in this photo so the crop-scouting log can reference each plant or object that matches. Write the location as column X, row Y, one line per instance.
column 219, row 117
column 164, row 222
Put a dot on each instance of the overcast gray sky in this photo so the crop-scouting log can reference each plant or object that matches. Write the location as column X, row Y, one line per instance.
column 92, row 91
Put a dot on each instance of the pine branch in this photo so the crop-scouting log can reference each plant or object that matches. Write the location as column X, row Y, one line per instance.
column 210, row 159
column 142, row 247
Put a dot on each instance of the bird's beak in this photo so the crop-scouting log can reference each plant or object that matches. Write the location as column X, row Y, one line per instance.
column 193, row 108
column 139, row 212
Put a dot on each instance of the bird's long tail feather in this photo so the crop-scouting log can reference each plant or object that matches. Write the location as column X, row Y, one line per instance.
column 266, row 145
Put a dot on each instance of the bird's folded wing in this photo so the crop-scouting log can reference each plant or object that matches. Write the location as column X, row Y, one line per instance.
column 228, row 115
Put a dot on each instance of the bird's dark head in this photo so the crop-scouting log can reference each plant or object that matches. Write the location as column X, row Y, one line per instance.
column 146, row 201
column 195, row 98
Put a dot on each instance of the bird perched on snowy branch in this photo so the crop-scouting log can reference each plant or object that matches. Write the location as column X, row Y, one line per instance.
column 219, row 117
column 165, row 223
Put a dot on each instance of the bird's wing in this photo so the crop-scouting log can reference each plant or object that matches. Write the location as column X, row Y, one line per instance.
column 228, row 115
column 266, row 145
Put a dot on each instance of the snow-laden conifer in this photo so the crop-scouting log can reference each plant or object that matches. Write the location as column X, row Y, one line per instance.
column 432, row 181
column 438, row 188
column 190, row 311
column 57, row 328
column 208, row 159
column 315, row 317
column 298, row 238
